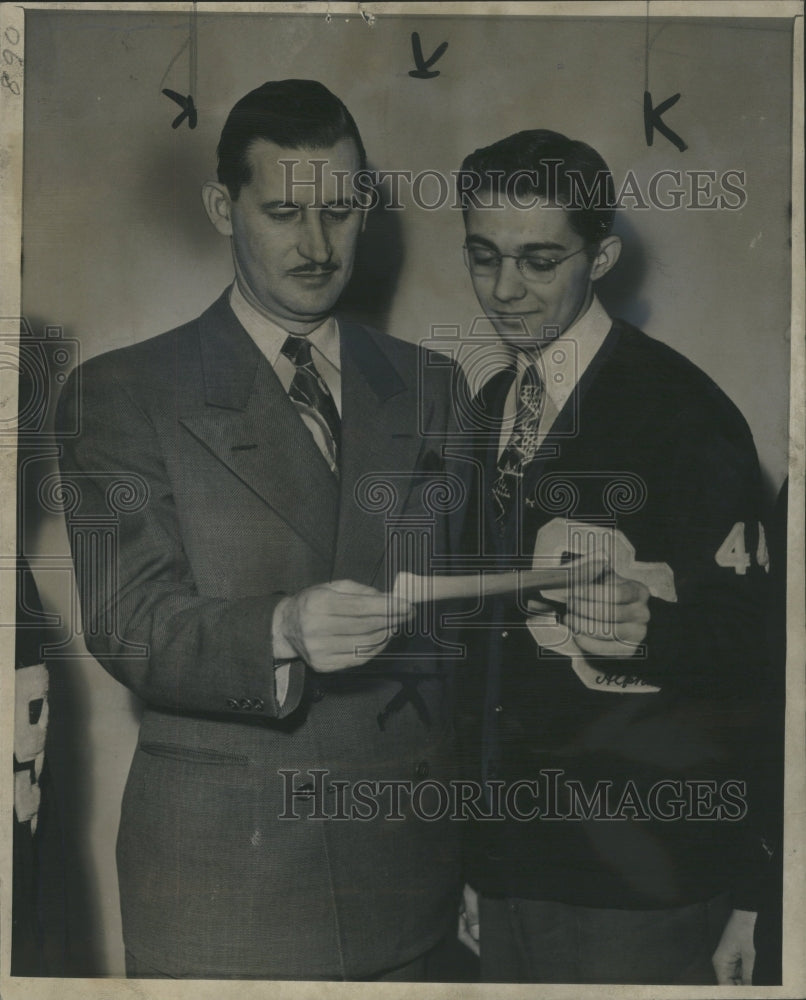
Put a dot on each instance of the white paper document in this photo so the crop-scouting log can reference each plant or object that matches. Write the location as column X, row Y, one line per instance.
column 419, row 589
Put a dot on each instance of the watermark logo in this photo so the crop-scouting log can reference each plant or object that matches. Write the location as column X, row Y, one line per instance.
column 433, row 190
column 548, row 797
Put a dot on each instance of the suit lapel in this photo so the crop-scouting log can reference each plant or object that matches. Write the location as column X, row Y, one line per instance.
column 380, row 443
column 248, row 422
column 565, row 432
column 560, row 442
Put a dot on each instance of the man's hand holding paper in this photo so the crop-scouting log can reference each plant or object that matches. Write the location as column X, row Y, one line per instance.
column 607, row 615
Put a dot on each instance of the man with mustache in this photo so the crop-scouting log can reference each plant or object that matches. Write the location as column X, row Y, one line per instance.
column 252, row 570
column 626, row 698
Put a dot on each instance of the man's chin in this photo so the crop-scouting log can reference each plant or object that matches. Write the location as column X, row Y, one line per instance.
column 524, row 336
column 310, row 310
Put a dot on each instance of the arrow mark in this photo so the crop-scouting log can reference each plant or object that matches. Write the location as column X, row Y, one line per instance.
column 188, row 110
column 423, row 72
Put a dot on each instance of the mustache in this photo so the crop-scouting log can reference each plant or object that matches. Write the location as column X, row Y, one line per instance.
column 314, row 269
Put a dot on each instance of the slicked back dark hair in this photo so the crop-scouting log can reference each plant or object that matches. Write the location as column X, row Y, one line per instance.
column 551, row 166
column 294, row 114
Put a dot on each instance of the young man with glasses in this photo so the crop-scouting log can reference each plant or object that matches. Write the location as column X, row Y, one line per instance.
column 618, row 704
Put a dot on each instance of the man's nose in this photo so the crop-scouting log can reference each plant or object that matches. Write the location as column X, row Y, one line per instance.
column 509, row 285
column 313, row 243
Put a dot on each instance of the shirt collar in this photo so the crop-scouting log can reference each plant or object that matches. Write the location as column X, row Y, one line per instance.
column 270, row 336
column 588, row 333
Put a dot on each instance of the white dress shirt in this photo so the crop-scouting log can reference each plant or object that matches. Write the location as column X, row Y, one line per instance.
column 269, row 339
column 561, row 365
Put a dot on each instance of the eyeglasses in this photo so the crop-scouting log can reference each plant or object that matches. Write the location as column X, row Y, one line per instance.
column 533, row 267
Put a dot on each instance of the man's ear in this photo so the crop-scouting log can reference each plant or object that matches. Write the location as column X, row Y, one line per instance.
column 218, row 205
column 605, row 260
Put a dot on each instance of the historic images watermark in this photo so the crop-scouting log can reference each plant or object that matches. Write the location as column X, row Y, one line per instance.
column 434, row 190
column 550, row 796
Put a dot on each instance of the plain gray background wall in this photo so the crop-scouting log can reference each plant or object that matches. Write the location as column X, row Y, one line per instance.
column 117, row 247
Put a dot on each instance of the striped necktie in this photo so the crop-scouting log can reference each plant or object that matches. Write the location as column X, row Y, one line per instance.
column 310, row 393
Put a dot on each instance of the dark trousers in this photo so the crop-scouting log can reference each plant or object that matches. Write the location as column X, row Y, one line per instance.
column 532, row 941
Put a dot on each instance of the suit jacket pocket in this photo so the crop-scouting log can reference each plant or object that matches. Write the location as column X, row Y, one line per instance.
column 194, row 755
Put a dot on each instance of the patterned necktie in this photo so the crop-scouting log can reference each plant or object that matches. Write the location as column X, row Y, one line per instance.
column 310, row 393
column 521, row 447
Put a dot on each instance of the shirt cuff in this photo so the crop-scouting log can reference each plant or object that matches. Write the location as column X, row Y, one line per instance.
column 282, row 671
